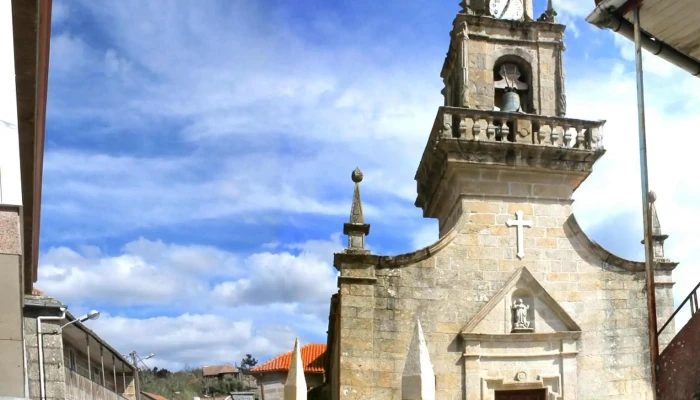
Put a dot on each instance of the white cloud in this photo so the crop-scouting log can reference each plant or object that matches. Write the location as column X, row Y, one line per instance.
column 154, row 273
column 575, row 8
column 285, row 278
column 193, row 339
column 650, row 63
column 126, row 279
column 241, row 188
column 425, row 236
column 253, row 186
column 253, row 136
column 282, row 296
column 191, row 259
column 281, row 132
column 614, row 187
column 69, row 53
column 60, row 12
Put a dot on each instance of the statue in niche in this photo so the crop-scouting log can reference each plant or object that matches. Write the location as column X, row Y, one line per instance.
column 521, row 322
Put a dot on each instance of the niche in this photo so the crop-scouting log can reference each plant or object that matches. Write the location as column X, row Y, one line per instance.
column 512, row 74
column 522, row 307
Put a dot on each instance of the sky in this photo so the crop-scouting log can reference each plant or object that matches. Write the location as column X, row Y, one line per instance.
column 198, row 159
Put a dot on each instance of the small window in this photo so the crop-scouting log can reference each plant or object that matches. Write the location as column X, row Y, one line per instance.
column 72, row 364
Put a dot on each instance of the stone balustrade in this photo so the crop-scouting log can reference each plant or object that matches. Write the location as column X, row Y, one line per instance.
column 498, row 126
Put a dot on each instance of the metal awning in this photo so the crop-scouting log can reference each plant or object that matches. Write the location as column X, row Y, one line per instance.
column 670, row 28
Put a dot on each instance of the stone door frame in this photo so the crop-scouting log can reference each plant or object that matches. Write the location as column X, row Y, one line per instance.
column 481, row 347
column 550, row 383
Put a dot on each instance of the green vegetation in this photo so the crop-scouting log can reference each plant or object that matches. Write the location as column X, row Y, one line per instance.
column 183, row 385
column 189, row 383
column 248, row 362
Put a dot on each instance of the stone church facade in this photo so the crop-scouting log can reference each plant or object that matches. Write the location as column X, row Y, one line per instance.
column 514, row 300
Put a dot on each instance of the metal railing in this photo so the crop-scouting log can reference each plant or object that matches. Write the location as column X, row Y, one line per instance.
column 692, row 298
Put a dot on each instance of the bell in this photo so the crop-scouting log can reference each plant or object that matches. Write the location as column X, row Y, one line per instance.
column 510, row 102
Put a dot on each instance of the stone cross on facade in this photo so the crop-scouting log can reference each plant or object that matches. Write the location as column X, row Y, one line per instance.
column 519, row 223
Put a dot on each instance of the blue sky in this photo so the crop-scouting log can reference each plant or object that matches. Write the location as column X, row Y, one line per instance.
column 198, row 159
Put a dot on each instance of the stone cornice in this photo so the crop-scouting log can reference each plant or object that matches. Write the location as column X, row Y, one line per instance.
column 610, row 258
column 478, row 22
column 400, row 260
column 520, row 337
column 356, row 280
column 461, row 135
column 482, row 20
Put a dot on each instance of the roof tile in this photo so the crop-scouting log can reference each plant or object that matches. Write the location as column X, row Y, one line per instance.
column 215, row 370
column 153, row 396
column 311, row 355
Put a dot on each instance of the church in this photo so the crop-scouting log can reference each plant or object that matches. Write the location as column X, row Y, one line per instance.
column 514, row 301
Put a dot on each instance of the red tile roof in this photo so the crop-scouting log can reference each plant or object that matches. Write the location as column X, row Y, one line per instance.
column 215, row 370
column 153, row 396
column 311, row 355
column 37, row 292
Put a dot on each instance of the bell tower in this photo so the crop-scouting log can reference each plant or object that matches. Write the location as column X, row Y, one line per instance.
column 502, row 132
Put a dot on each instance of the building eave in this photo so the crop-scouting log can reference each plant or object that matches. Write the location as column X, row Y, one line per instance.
column 49, row 303
column 31, row 24
column 681, row 51
column 102, row 342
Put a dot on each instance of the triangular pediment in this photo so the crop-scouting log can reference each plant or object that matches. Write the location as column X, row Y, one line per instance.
column 543, row 315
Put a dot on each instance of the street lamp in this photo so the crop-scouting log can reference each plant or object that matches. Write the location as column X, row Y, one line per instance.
column 92, row 315
column 137, row 379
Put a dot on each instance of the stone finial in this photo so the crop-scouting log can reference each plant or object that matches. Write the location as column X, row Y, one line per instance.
column 418, row 379
column 657, row 235
column 464, row 5
column 549, row 15
column 295, row 385
column 356, row 229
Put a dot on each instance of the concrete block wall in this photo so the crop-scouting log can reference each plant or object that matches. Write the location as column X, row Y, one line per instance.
column 272, row 384
column 54, row 368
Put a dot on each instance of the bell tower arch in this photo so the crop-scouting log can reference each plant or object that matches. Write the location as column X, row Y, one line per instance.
column 479, row 41
column 503, row 132
column 513, row 74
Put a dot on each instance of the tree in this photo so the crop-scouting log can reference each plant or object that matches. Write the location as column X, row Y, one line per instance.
column 161, row 373
column 248, row 362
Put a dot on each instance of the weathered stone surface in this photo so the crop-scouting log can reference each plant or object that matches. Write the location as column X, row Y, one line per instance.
column 587, row 312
